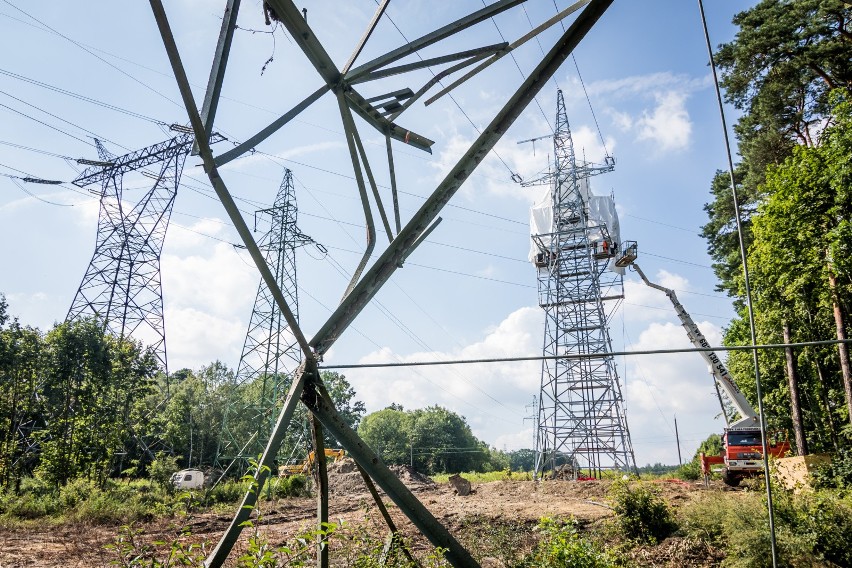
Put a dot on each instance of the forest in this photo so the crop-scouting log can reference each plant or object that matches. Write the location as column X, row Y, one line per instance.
column 78, row 402
column 788, row 72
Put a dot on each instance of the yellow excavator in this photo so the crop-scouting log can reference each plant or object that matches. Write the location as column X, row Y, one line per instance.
column 302, row 468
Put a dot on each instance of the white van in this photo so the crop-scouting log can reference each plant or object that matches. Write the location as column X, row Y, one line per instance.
column 188, row 479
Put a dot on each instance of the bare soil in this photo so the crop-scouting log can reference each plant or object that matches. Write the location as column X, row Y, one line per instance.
column 495, row 522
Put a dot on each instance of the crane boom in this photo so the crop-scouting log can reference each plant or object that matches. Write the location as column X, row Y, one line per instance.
column 748, row 417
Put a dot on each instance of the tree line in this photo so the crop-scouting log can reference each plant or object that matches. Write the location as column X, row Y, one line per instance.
column 76, row 402
column 788, row 70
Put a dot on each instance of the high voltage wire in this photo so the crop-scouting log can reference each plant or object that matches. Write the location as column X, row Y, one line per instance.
column 62, row 119
column 579, row 356
column 450, row 95
column 512, row 53
column 208, row 193
column 80, row 97
column 150, row 119
column 89, row 51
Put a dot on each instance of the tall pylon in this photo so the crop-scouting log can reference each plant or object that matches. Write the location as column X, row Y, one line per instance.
column 581, row 419
column 270, row 352
column 121, row 286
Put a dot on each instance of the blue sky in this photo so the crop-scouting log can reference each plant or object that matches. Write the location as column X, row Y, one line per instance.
column 468, row 291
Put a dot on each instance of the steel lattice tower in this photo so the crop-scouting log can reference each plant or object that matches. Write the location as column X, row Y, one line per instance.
column 580, row 406
column 270, row 352
column 122, row 286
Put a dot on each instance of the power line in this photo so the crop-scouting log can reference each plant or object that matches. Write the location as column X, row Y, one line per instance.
column 93, row 54
column 512, row 54
column 81, row 97
column 25, row 115
column 601, row 355
column 62, row 119
column 31, row 194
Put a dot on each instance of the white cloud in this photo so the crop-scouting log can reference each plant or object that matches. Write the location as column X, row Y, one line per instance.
column 660, row 387
column 668, row 126
column 218, row 281
column 197, row 234
column 208, row 298
column 650, row 304
column 492, row 397
column 662, row 118
column 197, row 338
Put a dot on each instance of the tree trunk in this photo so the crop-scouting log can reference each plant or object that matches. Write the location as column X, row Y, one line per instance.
column 795, row 400
column 842, row 348
column 826, row 403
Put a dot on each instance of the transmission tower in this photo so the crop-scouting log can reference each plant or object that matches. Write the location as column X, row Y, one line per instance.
column 270, row 352
column 581, row 420
column 121, row 286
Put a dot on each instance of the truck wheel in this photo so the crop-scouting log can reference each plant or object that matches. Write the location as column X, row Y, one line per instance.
column 731, row 479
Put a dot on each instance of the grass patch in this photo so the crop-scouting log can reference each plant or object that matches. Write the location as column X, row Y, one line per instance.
column 124, row 501
column 487, row 477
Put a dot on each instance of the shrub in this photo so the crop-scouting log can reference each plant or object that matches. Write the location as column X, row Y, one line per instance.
column 640, row 514
column 293, row 486
column 690, row 471
column 811, row 529
column 161, row 469
column 837, row 474
column 229, row 491
column 75, row 492
column 562, row 547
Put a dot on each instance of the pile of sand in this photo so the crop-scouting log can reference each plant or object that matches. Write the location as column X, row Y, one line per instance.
column 345, row 479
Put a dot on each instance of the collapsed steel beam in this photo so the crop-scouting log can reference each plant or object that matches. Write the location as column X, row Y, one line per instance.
column 440, row 60
column 223, row 548
column 503, row 52
column 216, row 181
column 317, row 400
column 436, row 36
column 380, row 10
column 273, row 127
column 307, row 41
column 319, row 403
column 217, row 70
column 392, row 258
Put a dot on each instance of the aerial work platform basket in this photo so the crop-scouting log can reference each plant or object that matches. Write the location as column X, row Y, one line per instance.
column 629, row 252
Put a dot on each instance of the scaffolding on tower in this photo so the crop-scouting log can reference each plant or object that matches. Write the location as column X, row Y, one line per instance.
column 270, row 353
column 581, row 425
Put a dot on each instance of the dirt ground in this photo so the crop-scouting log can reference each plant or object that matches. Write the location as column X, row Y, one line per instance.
column 500, row 511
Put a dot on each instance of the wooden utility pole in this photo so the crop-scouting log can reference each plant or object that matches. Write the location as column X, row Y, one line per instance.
column 677, row 439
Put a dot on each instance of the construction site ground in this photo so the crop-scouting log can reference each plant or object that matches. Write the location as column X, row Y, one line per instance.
column 496, row 522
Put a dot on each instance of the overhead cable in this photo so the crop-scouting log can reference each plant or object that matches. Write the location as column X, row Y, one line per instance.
column 603, row 355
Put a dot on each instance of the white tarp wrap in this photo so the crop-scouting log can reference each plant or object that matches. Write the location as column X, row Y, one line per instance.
column 541, row 222
column 601, row 212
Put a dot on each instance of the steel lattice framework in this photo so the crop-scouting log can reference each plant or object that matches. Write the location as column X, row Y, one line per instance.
column 270, row 353
column 580, row 407
column 122, row 286
column 379, row 112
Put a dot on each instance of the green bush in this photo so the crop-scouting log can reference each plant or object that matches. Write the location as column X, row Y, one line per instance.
column 690, row 471
column 160, row 470
column 837, row 474
column 229, row 491
column 75, row 492
column 640, row 514
column 811, row 529
column 561, row 546
column 293, row 486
